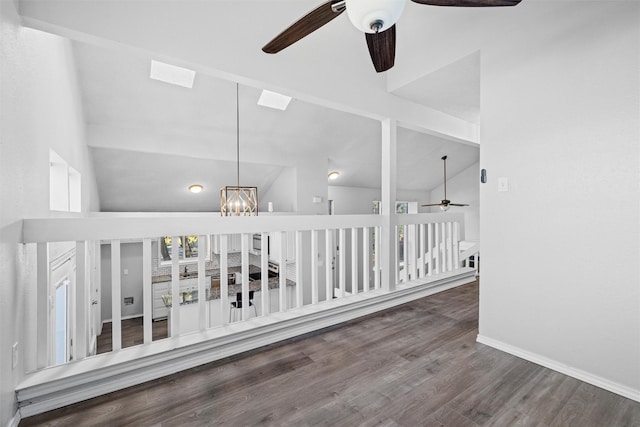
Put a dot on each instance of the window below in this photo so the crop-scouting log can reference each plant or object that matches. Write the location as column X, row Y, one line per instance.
column 187, row 249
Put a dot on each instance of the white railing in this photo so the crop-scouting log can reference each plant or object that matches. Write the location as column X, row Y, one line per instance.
column 321, row 259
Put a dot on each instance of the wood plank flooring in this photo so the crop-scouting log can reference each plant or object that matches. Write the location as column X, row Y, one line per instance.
column 414, row 365
column 132, row 333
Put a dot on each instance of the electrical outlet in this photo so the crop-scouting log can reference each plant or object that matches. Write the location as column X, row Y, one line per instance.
column 126, row 271
column 14, row 356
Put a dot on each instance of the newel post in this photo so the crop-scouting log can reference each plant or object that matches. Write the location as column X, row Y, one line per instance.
column 388, row 235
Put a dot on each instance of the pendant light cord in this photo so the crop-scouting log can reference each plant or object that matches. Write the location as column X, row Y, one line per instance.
column 238, row 132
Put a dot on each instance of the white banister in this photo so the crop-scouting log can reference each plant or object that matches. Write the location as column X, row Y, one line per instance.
column 224, row 284
column 175, row 287
column 298, row 249
column 329, row 262
column 377, row 249
column 245, row 274
column 354, row 261
column 116, row 311
column 283, row 271
column 42, row 304
column 202, row 279
column 366, row 254
column 81, row 302
column 342, row 264
column 314, row 266
column 147, row 294
column 264, row 272
column 422, row 250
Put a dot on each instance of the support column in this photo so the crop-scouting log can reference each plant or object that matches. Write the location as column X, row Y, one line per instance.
column 389, row 156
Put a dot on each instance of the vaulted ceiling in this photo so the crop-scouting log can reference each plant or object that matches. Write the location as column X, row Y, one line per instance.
column 142, row 132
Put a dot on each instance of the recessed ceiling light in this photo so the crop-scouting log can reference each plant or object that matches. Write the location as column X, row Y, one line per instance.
column 196, row 188
column 172, row 74
column 274, row 100
column 333, row 175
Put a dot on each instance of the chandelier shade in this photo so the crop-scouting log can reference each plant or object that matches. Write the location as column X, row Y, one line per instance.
column 238, row 201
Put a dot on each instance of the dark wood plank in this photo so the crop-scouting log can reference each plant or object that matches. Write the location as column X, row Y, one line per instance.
column 417, row 364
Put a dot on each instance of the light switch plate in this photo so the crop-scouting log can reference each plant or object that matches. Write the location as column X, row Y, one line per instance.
column 126, row 271
column 503, row 183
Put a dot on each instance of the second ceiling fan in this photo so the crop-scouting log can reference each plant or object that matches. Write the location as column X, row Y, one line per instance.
column 375, row 18
column 445, row 203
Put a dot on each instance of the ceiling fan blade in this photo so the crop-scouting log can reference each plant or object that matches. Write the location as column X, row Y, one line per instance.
column 457, row 204
column 433, row 204
column 304, row 26
column 469, row 3
column 382, row 48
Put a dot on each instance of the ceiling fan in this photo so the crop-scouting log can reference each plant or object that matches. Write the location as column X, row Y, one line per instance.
column 375, row 18
column 444, row 203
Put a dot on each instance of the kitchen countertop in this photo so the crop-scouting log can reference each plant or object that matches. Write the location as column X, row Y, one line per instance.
column 191, row 297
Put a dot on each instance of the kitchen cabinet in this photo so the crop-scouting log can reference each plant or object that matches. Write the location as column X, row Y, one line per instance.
column 159, row 309
column 234, row 243
column 275, row 240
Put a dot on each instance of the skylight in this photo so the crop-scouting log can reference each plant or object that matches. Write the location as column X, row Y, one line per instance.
column 274, row 100
column 172, row 74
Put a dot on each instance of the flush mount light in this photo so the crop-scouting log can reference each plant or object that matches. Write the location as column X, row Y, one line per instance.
column 333, row 175
column 171, row 74
column 196, row 188
column 274, row 100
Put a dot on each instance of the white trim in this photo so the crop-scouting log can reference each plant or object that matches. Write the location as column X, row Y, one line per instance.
column 63, row 385
column 13, row 422
column 587, row 377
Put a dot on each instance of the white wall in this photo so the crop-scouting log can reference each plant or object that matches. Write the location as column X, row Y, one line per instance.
column 463, row 188
column 359, row 200
column 130, row 284
column 41, row 109
column 560, row 249
column 282, row 193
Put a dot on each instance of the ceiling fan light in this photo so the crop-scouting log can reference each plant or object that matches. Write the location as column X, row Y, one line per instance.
column 444, row 208
column 364, row 14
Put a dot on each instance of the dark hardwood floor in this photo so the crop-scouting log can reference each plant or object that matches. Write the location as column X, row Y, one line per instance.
column 132, row 333
column 414, row 365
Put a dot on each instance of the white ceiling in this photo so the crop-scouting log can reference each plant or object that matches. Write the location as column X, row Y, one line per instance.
column 142, row 133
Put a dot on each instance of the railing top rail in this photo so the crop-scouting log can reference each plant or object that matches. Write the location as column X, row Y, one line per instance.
column 138, row 226
column 427, row 218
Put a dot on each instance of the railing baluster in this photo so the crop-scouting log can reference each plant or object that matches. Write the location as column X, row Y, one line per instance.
column 283, row 272
column 412, row 251
column 203, row 304
column 422, row 256
column 366, row 254
column 42, row 357
column 328, row 247
column 147, row 294
column 225, row 308
column 175, row 287
column 396, row 248
column 456, row 245
column 81, row 302
column 449, row 246
column 314, row 266
column 116, row 312
column 377, row 249
column 354, row 261
column 244, row 247
column 436, row 248
column 298, row 249
column 342, row 262
column 264, row 272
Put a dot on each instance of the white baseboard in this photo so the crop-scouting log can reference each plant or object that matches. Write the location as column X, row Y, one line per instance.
column 587, row 377
column 13, row 422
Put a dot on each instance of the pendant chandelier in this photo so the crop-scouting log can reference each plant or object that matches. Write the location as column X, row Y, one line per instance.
column 237, row 200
